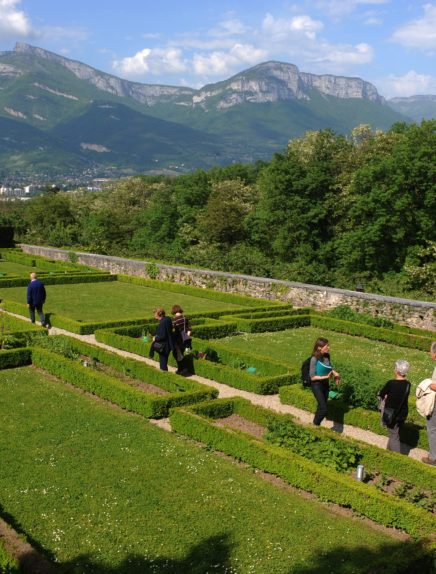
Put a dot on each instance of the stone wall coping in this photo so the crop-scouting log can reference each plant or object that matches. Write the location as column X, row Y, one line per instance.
column 264, row 280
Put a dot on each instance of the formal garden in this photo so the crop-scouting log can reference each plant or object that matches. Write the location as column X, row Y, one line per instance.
column 94, row 486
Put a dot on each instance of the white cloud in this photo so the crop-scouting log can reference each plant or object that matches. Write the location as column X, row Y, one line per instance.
column 409, row 84
column 224, row 63
column 420, row 33
column 152, row 61
column 13, row 22
column 340, row 8
column 340, row 57
column 281, row 28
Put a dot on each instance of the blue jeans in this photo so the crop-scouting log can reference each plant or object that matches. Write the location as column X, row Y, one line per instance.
column 40, row 313
column 321, row 391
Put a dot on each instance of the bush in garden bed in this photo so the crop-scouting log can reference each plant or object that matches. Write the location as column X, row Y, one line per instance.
column 325, row 483
column 111, row 389
column 340, row 412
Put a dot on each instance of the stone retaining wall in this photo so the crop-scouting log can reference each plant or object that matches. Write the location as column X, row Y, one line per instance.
column 404, row 311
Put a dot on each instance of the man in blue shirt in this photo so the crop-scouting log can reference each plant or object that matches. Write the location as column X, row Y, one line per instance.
column 36, row 298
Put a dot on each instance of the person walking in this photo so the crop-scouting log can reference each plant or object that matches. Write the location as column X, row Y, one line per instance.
column 163, row 342
column 320, row 372
column 395, row 396
column 431, row 419
column 182, row 342
column 36, row 296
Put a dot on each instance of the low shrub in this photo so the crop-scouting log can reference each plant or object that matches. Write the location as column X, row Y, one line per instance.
column 346, row 313
column 12, row 358
column 324, row 450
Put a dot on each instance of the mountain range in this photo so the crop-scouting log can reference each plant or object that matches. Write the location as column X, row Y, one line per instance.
column 60, row 117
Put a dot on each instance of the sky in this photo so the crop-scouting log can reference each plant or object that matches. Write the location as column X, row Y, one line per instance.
column 391, row 43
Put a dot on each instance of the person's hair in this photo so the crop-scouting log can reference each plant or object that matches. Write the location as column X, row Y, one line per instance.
column 402, row 367
column 176, row 309
column 433, row 347
column 159, row 312
column 319, row 344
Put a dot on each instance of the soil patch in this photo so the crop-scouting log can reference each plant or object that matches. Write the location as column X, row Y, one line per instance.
column 146, row 387
column 239, row 423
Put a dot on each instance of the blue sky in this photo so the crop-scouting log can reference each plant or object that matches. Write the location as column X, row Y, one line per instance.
column 391, row 43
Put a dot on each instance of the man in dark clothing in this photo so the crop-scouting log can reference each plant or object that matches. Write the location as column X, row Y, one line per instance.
column 36, row 298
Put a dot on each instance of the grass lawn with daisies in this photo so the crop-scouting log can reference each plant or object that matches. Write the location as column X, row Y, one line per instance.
column 99, row 490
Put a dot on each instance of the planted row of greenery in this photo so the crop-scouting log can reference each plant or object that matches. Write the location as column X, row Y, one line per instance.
column 302, row 473
column 372, row 457
column 110, row 388
column 340, row 412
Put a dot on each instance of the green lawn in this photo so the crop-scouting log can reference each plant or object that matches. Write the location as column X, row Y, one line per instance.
column 113, row 300
column 295, row 345
column 101, row 491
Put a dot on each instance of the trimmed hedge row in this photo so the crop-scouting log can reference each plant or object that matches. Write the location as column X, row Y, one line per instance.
column 12, row 358
column 256, row 325
column 61, row 279
column 135, row 369
column 12, row 324
column 17, row 256
column 375, row 333
column 110, row 388
column 325, row 483
column 233, row 298
column 356, row 416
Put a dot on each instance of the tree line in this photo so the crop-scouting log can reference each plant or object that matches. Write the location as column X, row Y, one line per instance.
column 331, row 209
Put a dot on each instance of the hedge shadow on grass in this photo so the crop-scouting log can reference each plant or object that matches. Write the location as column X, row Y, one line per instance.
column 210, row 555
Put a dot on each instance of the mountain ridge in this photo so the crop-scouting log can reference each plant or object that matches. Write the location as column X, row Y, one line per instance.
column 247, row 117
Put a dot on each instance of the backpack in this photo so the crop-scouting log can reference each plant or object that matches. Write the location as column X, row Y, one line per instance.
column 425, row 398
column 305, row 373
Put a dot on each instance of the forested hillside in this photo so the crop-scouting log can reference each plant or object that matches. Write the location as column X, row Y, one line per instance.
column 330, row 210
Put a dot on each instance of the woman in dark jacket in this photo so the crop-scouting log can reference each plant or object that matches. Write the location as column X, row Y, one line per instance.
column 163, row 342
column 395, row 395
column 182, row 341
column 321, row 372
